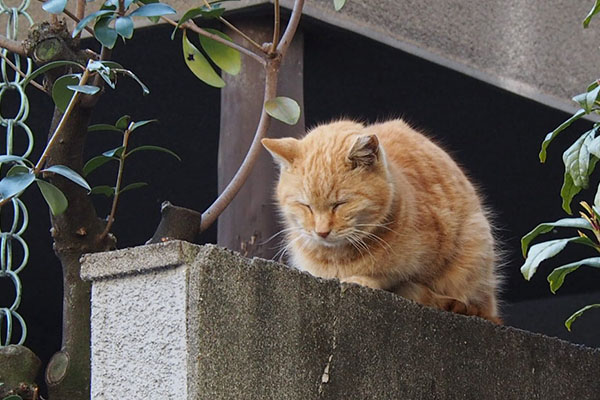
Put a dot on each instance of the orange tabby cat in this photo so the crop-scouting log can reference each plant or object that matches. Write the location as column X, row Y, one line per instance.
column 384, row 207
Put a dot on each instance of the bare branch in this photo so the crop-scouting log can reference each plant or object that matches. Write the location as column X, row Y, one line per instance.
column 276, row 26
column 76, row 19
column 242, row 34
column 13, row 46
column 211, row 214
column 65, row 117
column 292, row 25
column 21, row 73
column 80, row 10
column 271, row 75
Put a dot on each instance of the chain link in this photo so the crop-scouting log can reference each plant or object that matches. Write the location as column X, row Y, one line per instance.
column 13, row 260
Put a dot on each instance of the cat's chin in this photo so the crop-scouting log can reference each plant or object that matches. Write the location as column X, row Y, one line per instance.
column 328, row 242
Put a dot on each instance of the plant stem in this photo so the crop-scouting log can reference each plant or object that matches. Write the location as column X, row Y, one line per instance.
column 80, row 10
column 21, row 73
column 212, row 213
column 271, row 75
column 242, row 34
column 276, row 26
column 192, row 26
column 113, row 210
column 13, row 46
column 61, row 124
column 290, row 29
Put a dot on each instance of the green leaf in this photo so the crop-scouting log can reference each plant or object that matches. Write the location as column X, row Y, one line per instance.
column 153, row 10
column 578, row 314
column 116, row 152
column 590, row 99
column 106, row 35
column 194, row 12
column 18, row 170
column 110, row 64
column 594, row 145
column 577, row 159
column 95, row 162
column 557, row 277
column 86, row 89
column 141, row 123
column 69, row 174
column 226, row 58
column 13, row 397
column 284, row 109
column 87, row 19
column 545, row 250
column 593, row 11
column 54, row 6
column 133, row 76
column 123, row 122
column 577, row 223
column 104, row 71
column 13, row 184
column 10, row 158
column 61, row 94
column 124, row 27
column 103, row 127
column 133, row 186
column 48, row 67
column 153, row 148
column 550, row 137
column 108, row 191
column 338, row 4
column 54, row 197
column 199, row 65
column 567, row 192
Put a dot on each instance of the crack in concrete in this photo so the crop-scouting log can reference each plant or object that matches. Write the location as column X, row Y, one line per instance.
column 326, row 376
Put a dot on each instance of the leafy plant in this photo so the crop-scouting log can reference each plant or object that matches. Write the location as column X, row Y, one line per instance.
column 580, row 160
column 77, row 84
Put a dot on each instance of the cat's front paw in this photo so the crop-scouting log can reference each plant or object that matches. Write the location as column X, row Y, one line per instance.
column 363, row 281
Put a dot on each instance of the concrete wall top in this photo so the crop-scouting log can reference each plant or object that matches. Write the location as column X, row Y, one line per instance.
column 535, row 48
column 210, row 324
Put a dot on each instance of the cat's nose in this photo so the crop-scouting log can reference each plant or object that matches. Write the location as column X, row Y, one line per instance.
column 324, row 234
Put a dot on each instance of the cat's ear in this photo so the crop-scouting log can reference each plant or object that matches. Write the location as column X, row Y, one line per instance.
column 283, row 150
column 364, row 152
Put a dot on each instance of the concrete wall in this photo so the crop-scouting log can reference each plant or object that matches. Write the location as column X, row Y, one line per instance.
column 176, row 320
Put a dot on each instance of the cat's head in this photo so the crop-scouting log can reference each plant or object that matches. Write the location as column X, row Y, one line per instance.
column 334, row 184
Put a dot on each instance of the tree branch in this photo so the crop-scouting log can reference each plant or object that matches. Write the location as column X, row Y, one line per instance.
column 192, row 26
column 242, row 34
column 292, row 25
column 13, row 46
column 61, row 124
column 21, row 73
column 271, row 75
column 212, row 213
column 276, row 26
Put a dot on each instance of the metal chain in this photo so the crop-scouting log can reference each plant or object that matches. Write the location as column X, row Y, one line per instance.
column 12, row 245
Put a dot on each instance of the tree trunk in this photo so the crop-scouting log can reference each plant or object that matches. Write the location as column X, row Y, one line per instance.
column 250, row 220
column 75, row 232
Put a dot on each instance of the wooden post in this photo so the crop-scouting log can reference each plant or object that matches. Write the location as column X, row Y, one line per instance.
column 251, row 218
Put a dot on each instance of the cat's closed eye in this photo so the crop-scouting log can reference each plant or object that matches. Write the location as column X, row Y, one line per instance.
column 305, row 206
column 336, row 205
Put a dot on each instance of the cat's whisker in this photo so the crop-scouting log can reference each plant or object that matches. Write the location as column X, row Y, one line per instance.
column 284, row 249
column 286, row 230
column 377, row 239
column 383, row 226
column 356, row 239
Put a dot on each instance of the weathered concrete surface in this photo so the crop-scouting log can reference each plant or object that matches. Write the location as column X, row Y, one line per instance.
column 254, row 329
